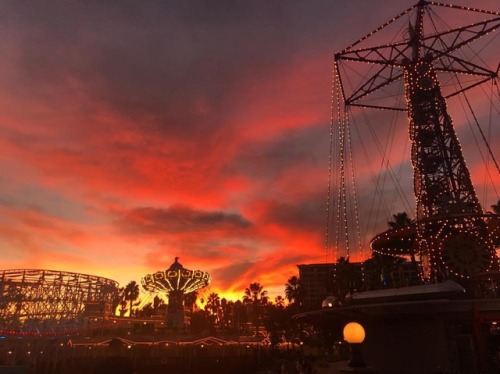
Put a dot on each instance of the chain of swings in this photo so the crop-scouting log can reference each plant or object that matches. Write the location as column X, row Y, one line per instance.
column 341, row 155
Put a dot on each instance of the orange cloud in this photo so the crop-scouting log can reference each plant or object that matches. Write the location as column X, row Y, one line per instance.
column 190, row 131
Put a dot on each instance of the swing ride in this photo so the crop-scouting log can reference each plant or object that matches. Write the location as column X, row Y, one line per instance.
column 418, row 67
column 418, row 73
column 176, row 282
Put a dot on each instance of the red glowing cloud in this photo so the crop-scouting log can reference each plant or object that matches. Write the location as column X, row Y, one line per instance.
column 132, row 134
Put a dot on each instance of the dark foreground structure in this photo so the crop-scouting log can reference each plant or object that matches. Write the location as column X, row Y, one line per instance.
column 426, row 328
column 422, row 334
column 119, row 355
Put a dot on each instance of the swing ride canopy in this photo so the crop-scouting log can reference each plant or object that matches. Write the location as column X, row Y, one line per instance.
column 176, row 279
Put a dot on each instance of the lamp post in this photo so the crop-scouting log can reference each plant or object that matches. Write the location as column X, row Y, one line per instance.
column 354, row 334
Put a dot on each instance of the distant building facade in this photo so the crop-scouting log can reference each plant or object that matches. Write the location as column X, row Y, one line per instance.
column 315, row 283
column 318, row 281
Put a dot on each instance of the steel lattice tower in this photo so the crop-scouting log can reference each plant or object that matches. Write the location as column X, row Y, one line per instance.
column 451, row 234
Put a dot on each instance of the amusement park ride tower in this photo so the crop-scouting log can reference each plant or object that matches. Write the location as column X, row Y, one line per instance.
column 452, row 236
column 176, row 282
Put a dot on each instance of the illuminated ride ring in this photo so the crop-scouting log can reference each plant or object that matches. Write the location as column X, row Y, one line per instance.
column 38, row 300
column 176, row 282
column 459, row 248
column 176, row 278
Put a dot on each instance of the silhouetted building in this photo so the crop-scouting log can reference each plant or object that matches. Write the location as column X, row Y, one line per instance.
column 315, row 283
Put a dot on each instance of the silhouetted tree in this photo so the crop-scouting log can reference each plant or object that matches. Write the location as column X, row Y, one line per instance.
column 147, row 310
column 158, row 302
column 400, row 220
column 131, row 294
column 190, row 300
column 346, row 279
column 496, row 207
column 213, row 303
column 293, row 290
column 256, row 297
column 279, row 302
column 118, row 296
column 120, row 303
column 212, row 306
column 123, row 307
column 255, row 293
column 379, row 271
column 225, row 312
column 276, row 321
column 200, row 322
column 239, row 315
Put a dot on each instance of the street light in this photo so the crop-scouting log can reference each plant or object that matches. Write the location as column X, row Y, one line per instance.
column 354, row 334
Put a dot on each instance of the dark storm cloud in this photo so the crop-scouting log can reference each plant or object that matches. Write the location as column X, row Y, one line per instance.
column 226, row 275
column 168, row 65
column 207, row 250
column 176, row 67
column 306, row 215
column 292, row 148
column 178, row 219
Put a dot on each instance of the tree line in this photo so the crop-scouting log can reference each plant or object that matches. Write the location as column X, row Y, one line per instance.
column 250, row 315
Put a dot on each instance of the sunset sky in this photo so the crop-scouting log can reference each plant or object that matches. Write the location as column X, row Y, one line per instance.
column 132, row 132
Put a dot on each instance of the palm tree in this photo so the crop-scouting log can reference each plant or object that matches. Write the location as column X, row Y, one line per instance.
column 213, row 303
column 279, row 301
column 131, row 293
column 118, row 302
column 190, row 300
column 255, row 297
column 157, row 303
column 255, row 293
column 123, row 307
column 238, row 315
column 293, row 290
column 400, row 220
column 225, row 311
column 146, row 311
column 276, row 320
column 346, row 279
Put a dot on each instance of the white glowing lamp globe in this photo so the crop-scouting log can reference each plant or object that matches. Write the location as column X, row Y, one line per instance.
column 354, row 333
